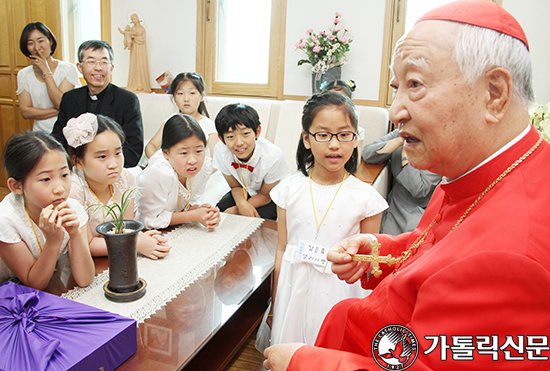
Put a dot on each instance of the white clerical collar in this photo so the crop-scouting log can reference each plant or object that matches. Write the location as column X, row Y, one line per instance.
column 446, row 180
column 93, row 97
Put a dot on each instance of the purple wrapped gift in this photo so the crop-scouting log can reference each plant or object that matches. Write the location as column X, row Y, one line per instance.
column 41, row 331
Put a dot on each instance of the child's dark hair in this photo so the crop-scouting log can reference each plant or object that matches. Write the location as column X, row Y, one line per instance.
column 180, row 127
column 341, row 85
column 104, row 123
column 24, row 150
column 198, row 81
column 317, row 102
column 236, row 114
column 43, row 29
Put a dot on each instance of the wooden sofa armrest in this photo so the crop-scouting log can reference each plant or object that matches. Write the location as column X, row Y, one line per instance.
column 368, row 172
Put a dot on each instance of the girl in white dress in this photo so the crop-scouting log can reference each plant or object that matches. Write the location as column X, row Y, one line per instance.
column 38, row 220
column 317, row 208
column 176, row 177
column 41, row 85
column 95, row 147
column 187, row 89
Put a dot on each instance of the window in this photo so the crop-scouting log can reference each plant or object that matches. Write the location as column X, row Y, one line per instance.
column 242, row 42
column 83, row 20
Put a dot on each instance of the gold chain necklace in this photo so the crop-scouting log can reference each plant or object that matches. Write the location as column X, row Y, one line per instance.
column 412, row 250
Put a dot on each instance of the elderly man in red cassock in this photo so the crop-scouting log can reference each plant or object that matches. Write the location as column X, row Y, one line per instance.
column 472, row 282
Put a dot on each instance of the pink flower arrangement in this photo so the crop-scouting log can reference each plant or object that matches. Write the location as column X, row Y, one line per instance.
column 325, row 50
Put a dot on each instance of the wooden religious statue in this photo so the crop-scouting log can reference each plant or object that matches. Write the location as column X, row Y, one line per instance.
column 135, row 40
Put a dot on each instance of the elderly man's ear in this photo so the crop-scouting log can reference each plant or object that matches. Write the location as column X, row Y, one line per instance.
column 499, row 91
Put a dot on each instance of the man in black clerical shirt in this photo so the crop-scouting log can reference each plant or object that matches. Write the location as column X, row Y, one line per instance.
column 99, row 96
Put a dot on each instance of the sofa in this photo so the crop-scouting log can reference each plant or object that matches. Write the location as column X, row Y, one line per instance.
column 281, row 124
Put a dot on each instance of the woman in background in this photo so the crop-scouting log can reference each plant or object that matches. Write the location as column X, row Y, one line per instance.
column 41, row 85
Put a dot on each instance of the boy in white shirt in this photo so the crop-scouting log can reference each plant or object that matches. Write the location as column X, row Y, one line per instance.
column 251, row 165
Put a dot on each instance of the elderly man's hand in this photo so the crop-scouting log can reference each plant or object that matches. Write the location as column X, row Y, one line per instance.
column 278, row 356
column 340, row 256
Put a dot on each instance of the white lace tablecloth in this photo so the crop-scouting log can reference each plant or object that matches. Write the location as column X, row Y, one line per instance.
column 194, row 251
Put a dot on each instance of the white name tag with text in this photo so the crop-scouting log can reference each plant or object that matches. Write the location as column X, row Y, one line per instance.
column 313, row 253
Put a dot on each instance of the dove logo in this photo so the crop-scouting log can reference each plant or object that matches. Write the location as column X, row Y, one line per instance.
column 395, row 347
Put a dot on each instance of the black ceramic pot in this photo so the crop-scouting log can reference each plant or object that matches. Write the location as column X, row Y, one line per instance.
column 121, row 248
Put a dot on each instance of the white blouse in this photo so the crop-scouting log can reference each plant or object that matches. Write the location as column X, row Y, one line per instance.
column 15, row 226
column 162, row 193
column 26, row 80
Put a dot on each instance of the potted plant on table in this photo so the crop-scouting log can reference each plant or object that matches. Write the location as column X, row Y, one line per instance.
column 326, row 52
column 120, row 237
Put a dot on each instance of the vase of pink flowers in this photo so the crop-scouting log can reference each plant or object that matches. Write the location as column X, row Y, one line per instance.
column 326, row 52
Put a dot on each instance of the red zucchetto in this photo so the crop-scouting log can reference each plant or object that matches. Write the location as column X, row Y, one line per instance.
column 480, row 13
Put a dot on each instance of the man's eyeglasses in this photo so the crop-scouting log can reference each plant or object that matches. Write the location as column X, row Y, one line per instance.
column 325, row 136
column 93, row 63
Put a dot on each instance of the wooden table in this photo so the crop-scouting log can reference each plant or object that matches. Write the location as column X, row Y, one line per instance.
column 207, row 323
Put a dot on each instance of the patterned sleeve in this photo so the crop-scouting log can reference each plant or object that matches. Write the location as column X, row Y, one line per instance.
column 125, row 182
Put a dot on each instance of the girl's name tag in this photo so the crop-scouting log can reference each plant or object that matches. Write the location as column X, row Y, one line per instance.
column 312, row 253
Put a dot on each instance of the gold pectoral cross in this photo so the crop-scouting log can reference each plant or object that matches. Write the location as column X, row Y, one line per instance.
column 375, row 259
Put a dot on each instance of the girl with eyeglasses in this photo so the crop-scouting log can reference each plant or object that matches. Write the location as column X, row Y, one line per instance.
column 41, row 85
column 316, row 208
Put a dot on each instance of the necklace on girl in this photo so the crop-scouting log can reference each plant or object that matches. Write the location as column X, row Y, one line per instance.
column 34, row 230
column 101, row 203
column 190, row 194
column 313, row 202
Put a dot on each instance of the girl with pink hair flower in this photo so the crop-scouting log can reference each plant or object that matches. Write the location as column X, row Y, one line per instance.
column 95, row 147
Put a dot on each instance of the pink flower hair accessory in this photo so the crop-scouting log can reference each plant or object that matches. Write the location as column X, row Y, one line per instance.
column 80, row 130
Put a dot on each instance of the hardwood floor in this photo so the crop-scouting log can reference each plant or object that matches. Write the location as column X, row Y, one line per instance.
column 247, row 358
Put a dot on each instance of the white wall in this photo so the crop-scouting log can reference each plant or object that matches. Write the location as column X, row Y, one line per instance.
column 533, row 17
column 364, row 19
column 171, row 39
column 171, row 36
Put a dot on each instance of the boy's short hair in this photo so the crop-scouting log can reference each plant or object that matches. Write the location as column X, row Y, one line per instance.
column 236, row 114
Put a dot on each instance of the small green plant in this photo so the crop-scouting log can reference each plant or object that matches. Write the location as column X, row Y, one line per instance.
column 121, row 207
